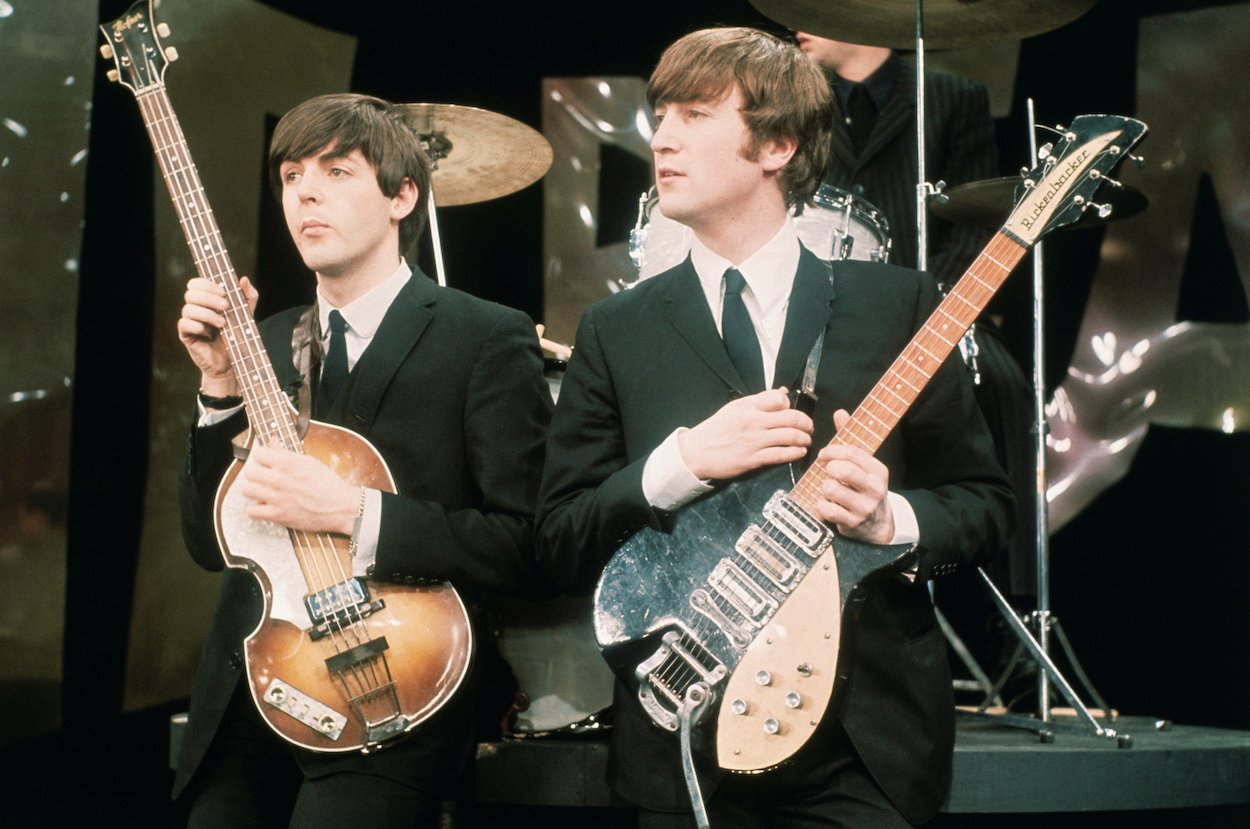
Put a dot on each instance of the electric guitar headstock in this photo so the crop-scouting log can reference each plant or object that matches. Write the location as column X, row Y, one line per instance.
column 1061, row 187
column 133, row 43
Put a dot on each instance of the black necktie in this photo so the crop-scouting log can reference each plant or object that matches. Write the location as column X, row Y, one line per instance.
column 334, row 369
column 860, row 116
column 739, row 334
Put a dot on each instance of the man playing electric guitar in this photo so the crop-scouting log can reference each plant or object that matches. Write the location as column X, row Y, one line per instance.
column 679, row 386
column 450, row 391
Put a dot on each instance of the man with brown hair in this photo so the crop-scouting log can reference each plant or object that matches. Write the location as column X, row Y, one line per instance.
column 679, row 386
column 450, row 391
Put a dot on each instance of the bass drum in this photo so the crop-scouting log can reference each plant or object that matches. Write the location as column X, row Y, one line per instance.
column 565, row 687
column 836, row 225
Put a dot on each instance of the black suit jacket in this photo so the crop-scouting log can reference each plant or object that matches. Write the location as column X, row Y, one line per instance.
column 451, row 393
column 649, row 360
column 960, row 147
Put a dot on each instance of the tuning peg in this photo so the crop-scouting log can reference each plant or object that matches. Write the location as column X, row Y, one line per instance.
column 1100, row 176
column 1043, row 152
column 106, row 51
column 171, row 54
column 112, row 75
column 1138, row 160
column 162, row 29
column 1104, row 210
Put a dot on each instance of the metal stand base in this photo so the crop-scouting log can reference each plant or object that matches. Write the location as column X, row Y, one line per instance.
column 1048, row 675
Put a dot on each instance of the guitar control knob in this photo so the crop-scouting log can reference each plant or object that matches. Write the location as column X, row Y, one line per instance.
column 804, row 669
column 771, row 726
column 739, row 707
column 763, row 678
column 793, row 700
column 106, row 51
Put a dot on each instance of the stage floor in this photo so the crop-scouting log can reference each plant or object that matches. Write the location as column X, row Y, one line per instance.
column 998, row 769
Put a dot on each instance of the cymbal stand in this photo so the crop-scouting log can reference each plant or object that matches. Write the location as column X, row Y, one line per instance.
column 1039, row 647
column 436, row 147
column 435, row 240
column 926, row 191
column 967, row 345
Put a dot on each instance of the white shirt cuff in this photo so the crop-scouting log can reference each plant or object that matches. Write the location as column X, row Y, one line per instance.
column 667, row 482
column 906, row 528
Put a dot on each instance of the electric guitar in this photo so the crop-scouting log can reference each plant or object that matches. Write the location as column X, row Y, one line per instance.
column 336, row 663
column 740, row 608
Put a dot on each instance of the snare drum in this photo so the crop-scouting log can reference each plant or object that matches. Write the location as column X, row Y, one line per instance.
column 837, row 225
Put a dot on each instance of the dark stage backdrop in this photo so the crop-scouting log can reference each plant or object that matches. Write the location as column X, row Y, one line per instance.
column 1144, row 342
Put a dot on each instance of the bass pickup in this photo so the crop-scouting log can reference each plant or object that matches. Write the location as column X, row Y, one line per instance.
column 334, row 608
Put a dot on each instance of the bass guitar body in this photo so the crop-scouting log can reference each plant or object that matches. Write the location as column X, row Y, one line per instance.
column 339, row 663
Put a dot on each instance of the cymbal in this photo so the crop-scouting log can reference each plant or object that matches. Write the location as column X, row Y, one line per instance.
column 478, row 155
column 948, row 24
column 988, row 203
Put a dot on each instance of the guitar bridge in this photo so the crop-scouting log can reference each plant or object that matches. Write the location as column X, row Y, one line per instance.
column 665, row 678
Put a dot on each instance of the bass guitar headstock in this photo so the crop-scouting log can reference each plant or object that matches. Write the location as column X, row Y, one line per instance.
column 133, row 43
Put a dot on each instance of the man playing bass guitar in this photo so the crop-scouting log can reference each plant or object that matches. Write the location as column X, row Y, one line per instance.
column 679, row 386
column 449, row 389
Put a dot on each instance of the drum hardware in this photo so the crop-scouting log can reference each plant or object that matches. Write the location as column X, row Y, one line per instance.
column 475, row 156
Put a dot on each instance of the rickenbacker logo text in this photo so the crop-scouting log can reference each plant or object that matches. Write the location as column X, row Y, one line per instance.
column 1073, row 166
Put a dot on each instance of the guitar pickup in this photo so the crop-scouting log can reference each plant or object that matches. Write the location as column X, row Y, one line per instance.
column 339, row 605
column 731, row 583
column 811, row 535
column 768, row 556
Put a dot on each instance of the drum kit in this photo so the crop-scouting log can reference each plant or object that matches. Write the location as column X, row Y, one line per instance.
column 479, row 155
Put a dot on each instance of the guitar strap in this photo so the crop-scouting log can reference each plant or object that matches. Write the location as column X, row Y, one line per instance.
column 306, row 354
column 804, row 398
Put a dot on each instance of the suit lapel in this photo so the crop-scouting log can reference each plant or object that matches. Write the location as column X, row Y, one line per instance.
column 405, row 321
column 688, row 313
column 808, row 311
